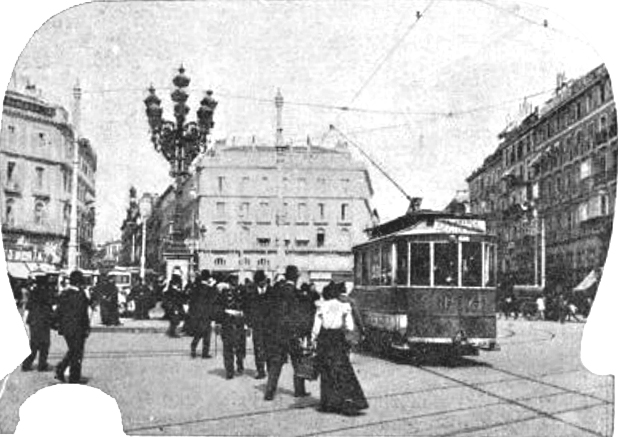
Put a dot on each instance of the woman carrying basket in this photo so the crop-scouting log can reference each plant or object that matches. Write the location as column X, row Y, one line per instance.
column 340, row 390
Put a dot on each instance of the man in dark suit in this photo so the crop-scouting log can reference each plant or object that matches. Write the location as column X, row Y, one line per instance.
column 285, row 330
column 141, row 296
column 106, row 294
column 73, row 325
column 256, row 310
column 173, row 304
column 39, row 319
column 230, row 305
column 200, row 311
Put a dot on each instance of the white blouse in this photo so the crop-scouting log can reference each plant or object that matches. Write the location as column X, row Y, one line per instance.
column 332, row 314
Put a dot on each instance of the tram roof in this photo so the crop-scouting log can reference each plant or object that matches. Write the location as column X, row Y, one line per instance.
column 430, row 222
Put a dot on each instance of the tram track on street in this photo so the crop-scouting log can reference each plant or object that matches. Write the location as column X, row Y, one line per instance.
column 519, row 403
column 456, row 384
column 162, row 426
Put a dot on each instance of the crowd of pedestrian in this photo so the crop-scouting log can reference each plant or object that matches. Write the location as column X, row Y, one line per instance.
column 285, row 322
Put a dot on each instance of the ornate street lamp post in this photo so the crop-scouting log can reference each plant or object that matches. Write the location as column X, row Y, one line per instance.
column 180, row 143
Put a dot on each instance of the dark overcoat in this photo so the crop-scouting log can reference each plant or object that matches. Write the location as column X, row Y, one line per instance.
column 40, row 314
column 201, row 308
column 256, row 306
column 72, row 313
column 283, row 325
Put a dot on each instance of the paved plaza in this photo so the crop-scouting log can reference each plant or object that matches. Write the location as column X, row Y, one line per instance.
column 536, row 385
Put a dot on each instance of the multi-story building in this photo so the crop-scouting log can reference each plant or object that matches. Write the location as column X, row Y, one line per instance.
column 549, row 189
column 249, row 207
column 36, row 157
column 108, row 255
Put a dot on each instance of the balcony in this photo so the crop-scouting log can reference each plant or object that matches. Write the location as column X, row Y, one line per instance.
column 12, row 186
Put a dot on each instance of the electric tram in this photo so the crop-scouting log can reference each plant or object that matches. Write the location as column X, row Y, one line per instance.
column 425, row 284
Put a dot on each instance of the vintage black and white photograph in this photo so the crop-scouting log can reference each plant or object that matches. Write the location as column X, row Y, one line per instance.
column 307, row 218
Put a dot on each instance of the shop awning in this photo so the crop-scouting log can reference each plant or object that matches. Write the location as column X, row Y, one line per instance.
column 18, row 269
column 587, row 282
column 41, row 268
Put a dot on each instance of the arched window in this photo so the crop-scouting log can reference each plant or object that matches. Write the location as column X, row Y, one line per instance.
column 263, row 263
column 220, row 262
column 220, row 236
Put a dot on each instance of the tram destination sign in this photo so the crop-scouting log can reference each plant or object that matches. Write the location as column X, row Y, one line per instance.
column 463, row 225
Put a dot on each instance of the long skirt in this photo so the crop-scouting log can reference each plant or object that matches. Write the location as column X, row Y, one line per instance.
column 340, row 389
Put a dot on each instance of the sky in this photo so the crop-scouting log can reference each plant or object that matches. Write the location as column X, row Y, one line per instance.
column 427, row 96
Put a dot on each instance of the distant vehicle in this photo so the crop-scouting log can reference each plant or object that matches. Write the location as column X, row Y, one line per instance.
column 123, row 278
column 425, row 285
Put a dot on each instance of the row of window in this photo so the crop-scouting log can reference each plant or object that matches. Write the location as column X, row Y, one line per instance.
column 572, row 146
column 568, row 149
column 560, row 225
column 572, row 180
column 431, row 264
column 224, row 183
column 302, row 213
column 40, row 177
column 40, row 216
column 39, row 212
column 300, row 242
column 261, row 263
column 40, row 139
column 562, row 120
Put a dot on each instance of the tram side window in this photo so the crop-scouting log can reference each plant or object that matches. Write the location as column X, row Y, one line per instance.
column 490, row 265
column 401, row 262
column 365, row 279
column 386, row 265
column 420, row 264
column 358, row 268
column 446, row 264
column 375, row 267
column 472, row 264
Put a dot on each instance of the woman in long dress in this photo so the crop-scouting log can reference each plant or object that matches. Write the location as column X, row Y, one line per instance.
column 340, row 390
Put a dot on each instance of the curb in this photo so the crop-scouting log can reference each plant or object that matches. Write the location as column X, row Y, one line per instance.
column 129, row 329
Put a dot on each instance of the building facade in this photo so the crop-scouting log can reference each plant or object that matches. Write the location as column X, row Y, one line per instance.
column 36, row 155
column 249, row 207
column 549, row 189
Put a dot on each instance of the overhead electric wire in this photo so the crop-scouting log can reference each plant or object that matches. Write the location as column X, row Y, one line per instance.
column 452, row 114
column 390, row 52
column 544, row 24
column 372, row 161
